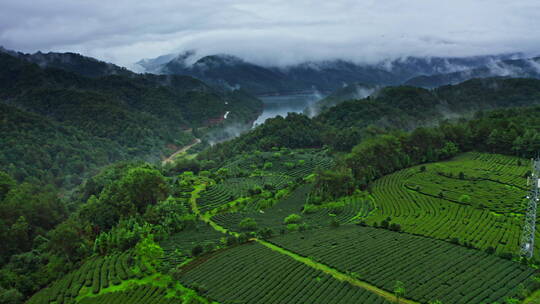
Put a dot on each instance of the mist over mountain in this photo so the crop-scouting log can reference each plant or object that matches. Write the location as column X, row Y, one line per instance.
column 327, row 76
column 82, row 65
column 348, row 92
column 524, row 68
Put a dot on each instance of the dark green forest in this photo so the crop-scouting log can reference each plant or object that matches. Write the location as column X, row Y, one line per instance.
column 57, row 124
column 393, row 108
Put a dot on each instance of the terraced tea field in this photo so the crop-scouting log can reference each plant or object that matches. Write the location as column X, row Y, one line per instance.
column 95, row 275
column 475, row 199
column 180, row 245
column 233, row 188
column 140, row 294
column 252, row 273
column 271, row 217
column 457, row 218
column 274, row 216
column 431, row 269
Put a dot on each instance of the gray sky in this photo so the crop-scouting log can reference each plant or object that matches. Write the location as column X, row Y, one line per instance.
column 271, row 31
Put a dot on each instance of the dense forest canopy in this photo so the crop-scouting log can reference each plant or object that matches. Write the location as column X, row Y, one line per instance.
column 90, row 122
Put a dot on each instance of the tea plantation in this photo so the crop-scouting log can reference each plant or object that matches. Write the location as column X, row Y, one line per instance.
column 252, row 273
column 445, row 232
column 475, row 200
column 432, row 269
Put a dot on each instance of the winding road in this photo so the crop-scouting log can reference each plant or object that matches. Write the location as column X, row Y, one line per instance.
column 182, row 150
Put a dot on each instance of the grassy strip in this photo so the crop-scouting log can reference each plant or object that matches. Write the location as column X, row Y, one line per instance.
column 86, row 292
column 204, row 217
column 336, row 274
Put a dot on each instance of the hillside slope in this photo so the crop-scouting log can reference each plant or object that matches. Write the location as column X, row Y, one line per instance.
column 141, row 114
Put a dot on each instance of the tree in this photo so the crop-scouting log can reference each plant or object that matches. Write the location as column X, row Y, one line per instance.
column 332, row 184
column 395, row 227
column 10, row 296
column 292, row 219
column 465, row 198
column 248, row 223
column 66, row 240
column 148, row 251
column 20, row 233
column 197, row 250
column 6, row 184
column 399, row 290
column 450, row 149
column 143, row 187
column 334, row 222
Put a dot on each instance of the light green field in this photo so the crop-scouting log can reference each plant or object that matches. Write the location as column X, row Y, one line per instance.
column 475, row 199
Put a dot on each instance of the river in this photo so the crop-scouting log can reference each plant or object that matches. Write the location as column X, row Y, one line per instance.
column 283, row 104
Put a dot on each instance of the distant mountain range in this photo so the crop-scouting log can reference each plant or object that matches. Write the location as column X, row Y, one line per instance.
column 326, row 76
column 517, row 68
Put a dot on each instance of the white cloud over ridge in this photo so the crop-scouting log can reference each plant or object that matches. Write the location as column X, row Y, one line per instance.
column 272, row 32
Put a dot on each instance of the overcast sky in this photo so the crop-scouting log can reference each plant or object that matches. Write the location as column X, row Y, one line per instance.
column 271, row 32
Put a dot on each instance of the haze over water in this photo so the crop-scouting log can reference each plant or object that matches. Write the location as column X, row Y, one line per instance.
column 283, row 104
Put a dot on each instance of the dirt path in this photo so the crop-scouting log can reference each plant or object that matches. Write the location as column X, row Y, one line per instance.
column 336, row 273
column 182, row 150
column 307, row 261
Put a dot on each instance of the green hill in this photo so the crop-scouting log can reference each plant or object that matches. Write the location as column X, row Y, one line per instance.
column 135, row 116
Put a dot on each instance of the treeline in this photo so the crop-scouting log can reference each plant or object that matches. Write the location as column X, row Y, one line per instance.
column 513, row 131
column 394, row 108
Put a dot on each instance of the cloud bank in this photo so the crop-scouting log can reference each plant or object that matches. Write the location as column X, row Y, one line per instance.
column 272, row 32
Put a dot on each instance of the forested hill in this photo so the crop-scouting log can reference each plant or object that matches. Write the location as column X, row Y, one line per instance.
column 326, row 75
column 343, row 126
column 118, row 116
column 407, row 107
column 348, row 92
column 86, row 66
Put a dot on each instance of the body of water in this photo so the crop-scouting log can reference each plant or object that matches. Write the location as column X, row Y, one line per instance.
column 283, row 104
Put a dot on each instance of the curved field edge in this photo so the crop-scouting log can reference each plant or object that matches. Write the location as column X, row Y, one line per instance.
column 445, row 211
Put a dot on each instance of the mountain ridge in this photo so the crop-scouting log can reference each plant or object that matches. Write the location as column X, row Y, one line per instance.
column 325, row 75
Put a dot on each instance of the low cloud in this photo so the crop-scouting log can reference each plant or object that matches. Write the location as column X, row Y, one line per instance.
column 274, row 32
